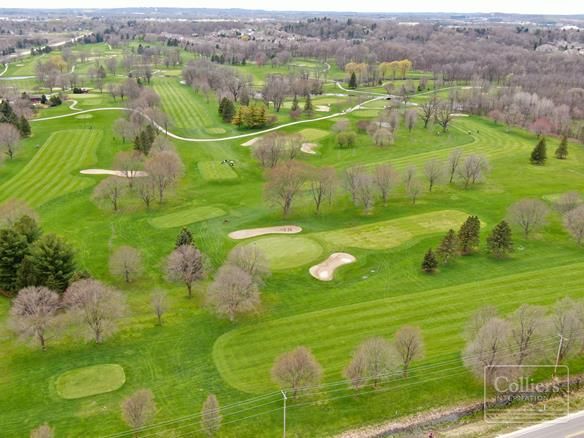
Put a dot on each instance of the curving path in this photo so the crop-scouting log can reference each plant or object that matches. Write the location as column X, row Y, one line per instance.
column 207, row 140
column 5, row 69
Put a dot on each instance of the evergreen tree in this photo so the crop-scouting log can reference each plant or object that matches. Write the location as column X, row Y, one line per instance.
column 562, row 150
column 52, row 262
column 539, row 153
column 469, row 235
column 185, row 237
column 246, row 116
column 24, row 127
column 295, row 105
column 44, row 99
column 308, row 104
column 228, row 110
column 7, row 115
column 448, row 248
column 500, row 242
column 27, row 227
column 138, row 143
column 429, row 264
column 353, row 81
column 237, row 118
column 221, row 106
column 258, row 116
column 13, row 249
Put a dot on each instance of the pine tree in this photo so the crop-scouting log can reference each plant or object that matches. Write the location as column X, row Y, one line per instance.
column 138, row 142
column 7, row 115
column 246, row 116
column 295, row 105
column 227, row 110
column 469, row 235
column 539, row 153
column 353, row 81
column 53, row 262
column 448, row 248
column 27, row 227
column 500, row 242
column 562, row 150
column 185, row 237
column 429, row 264
column 308, row 104
column 13, row 249
column 24, row 127
column 221, row 106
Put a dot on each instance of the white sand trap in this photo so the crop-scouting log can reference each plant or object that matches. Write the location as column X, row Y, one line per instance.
column 322, row 108
column 459, row 115
column 137, row 173
column 324, row 271
column 253, row 232
column 308, row 148
column 251, row 142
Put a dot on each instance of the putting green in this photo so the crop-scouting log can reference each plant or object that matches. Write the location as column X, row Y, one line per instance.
column 88, row 381
column 186, row 216
column 313, row 134
column 84, row 116
column 215, row 171
column 394, row 232
column 285, row 252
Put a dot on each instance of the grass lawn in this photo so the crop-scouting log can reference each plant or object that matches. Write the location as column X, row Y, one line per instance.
column 88, row 381
column 194, row 353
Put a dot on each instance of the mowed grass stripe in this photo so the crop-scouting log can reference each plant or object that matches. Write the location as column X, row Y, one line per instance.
column 333, row 333
column 50, row 173
column 182, row 106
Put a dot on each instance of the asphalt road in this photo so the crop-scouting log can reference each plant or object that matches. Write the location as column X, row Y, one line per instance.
column 570, row 426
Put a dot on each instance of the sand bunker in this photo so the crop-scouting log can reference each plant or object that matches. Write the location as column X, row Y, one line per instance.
column 308, row 148
column 324, row 271
column 459, row 115
column 137, row 173
column 253, row 232
column 251, row 142
column 322, row 108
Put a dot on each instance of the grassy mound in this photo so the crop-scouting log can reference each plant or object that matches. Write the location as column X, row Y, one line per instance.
column 215, row 171
column 50, row 173
column 88, row 381
column 394, row 232
column 284, row 252
column 186, row 216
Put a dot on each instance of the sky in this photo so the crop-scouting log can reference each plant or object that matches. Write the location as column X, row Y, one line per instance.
column 516, row 6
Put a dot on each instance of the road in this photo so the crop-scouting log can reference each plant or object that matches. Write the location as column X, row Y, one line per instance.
column 570, row 426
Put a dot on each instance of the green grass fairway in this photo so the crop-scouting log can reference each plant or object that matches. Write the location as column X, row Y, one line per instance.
column 284, row 252
column 88, row 381
column 53, row 170
column 312, row 134
column 186, row 217
column 215, row 171
column 333, row 333
column 395, row 232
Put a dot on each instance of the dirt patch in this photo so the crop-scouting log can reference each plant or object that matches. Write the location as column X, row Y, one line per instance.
column 136, row 173
column 308, row 148
column 254, row 232
column 325, row 271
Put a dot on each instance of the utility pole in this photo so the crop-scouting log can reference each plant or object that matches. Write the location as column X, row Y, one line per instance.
column 285, row 398
column 558, row 355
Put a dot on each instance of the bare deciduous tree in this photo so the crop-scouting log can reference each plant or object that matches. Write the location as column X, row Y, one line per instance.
column 270, row 149
column 453, row 163
column 364, row 191
column 411, row 117
column 126, row 262
column 251, row 259
column 489, row 348
column 296, row 370
column 372, row 362
column 352, row 174
column 409, row 345
column 129, row 163
column 323, row 182
column 443, row 115
column 9, row 139
column 165, row 168
column 146, row 188
column 33, row 314
column 14, row 209
column 233, row 292
column 159, row 302
column 527, row 324
column 428, row 110
column 284, row 183
column 574, row 223
column 96, row 306
column 567, row 322
column 528, row 214
column 211, row 417
column 413, row 190
column 185, row 264
column 139, row 409
column 385, row 178
column 472, row 169
column 478, row 320
column 110, row 189
column 568, row 201
column 433, row 172
column 382, row 137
